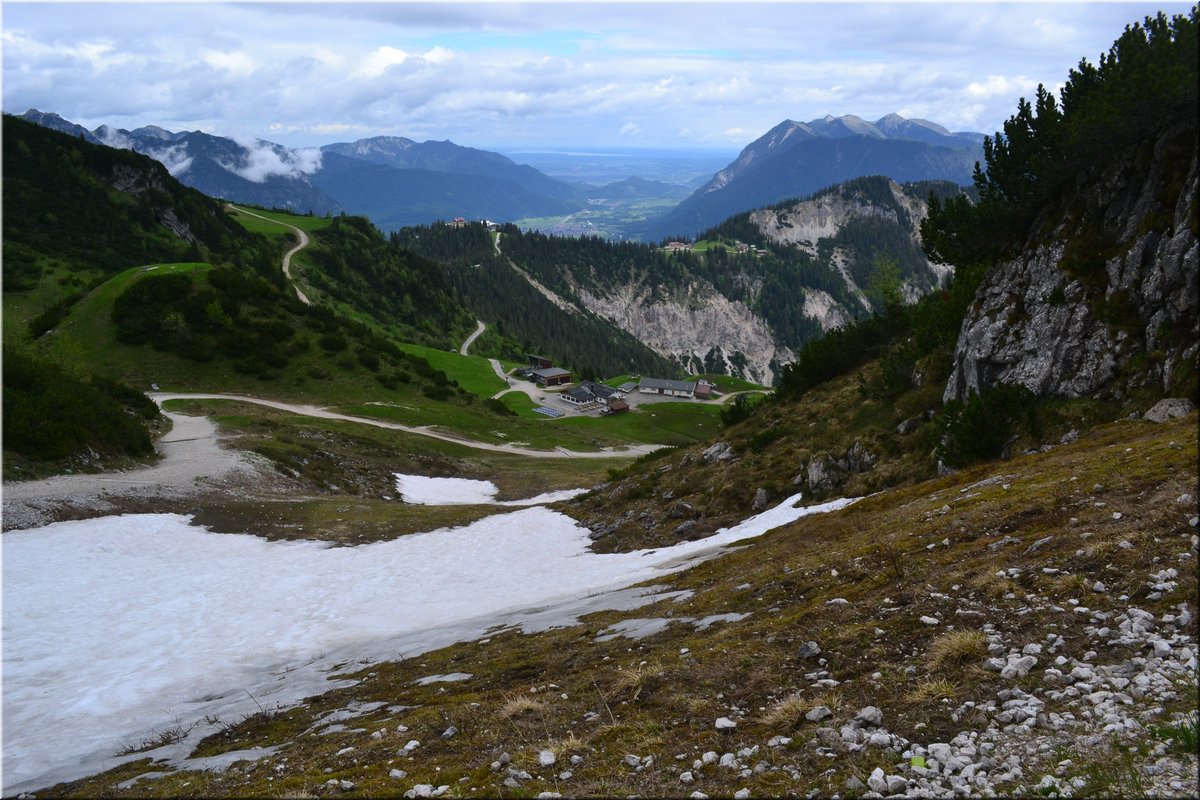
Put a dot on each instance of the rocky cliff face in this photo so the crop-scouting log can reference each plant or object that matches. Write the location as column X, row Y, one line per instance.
column 692, row 323
column 805, row 223
column 699, row 327
column 1110, row 301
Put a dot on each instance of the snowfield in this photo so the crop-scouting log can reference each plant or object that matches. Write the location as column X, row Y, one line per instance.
column 119, row 628
column 419, row 490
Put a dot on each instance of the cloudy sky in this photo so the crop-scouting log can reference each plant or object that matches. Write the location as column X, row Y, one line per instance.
column 505, row 75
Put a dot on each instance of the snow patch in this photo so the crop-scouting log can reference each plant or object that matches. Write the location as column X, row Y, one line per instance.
column 120, row 628
column 420, row 490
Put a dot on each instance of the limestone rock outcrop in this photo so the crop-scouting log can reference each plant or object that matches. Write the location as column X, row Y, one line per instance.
column 1041, row 322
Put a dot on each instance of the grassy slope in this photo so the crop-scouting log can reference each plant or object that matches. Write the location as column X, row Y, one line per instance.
column 256, row 225
column 927, row 549
column 87, row 336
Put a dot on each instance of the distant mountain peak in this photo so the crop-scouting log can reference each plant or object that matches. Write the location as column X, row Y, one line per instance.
column 48, row 119
column 794, row 159
column 157, row 133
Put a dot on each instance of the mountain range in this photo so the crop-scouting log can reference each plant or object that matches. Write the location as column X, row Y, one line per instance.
column 396, row 181
column 795, row 159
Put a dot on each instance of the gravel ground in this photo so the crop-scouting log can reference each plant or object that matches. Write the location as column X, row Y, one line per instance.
column 192, row 462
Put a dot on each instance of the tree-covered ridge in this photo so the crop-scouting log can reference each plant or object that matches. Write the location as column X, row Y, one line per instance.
column 95, row 210
column 1145, row 83
column 522, row 319
column 771, row 278
column 407, row 294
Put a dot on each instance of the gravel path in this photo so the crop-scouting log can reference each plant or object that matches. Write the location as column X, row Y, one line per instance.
column 192, row 461
column 321, row 413
column 466, row 345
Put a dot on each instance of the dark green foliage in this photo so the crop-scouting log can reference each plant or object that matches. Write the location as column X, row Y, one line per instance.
column 737, row 410
column 895, row 375
column 837, row 353
column 234, row 315
column 497, row 405
column 52, row 414
column 983, row 426
column 899, row 337
column 408, row 294
column 99, row 210
column 53, row 314
column 1146, row 83
column 497, row 293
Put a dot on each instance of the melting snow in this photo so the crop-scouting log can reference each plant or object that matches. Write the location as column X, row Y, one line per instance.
column 119, row 628
column 419, row 490
column 449, row 677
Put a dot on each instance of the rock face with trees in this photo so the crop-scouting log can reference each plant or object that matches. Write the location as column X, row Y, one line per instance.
column 1087, row 210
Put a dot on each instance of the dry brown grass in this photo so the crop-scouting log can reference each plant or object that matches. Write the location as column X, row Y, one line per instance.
column 786, row 713
column 934, row 689
column 566, row 745
column 516, row 705
column 789, row 712
column 635, row 679
column 955, row 648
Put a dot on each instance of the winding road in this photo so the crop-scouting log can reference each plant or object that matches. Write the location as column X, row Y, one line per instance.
column 462, row 351
column 287, row 257
column 321, row 413
column 192, row 460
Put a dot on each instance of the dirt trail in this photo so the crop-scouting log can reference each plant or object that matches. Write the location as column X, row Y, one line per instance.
column 192, row 461
column 287, row 257
column 321, row 413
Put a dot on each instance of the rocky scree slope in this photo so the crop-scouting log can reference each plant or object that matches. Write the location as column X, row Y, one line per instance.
column 805, row 223
column 695, row 326
column 1109, row 300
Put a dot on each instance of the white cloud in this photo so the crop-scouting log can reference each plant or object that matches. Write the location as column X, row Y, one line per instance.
column 498, row 74
column 175, row 159
column 263, row 160
column 629, row 129
column 377, row 62
column 1000, row 86
column 238, row 64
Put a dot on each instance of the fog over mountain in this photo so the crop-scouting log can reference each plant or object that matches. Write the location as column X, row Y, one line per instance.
column 397, row 181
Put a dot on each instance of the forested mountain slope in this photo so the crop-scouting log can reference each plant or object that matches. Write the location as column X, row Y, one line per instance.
column 114, row 270
column 758, row 287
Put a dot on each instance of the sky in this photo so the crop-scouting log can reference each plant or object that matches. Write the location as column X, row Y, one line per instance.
column 504, row 75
